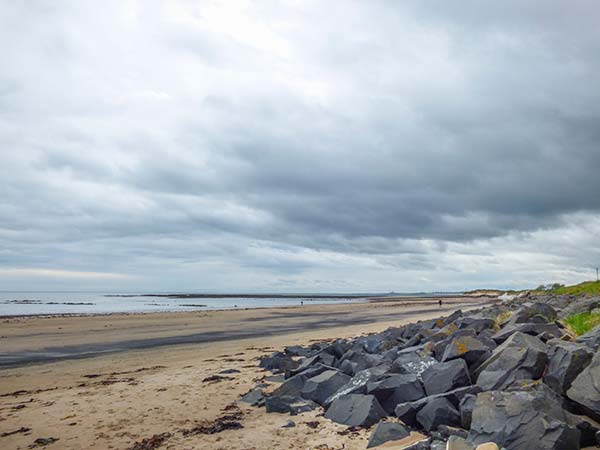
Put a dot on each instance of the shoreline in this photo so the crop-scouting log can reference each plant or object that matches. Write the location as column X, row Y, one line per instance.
column 30, row 340
column 404, row 300
column 114, row 400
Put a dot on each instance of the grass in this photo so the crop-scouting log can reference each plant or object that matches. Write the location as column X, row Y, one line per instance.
column 583, row 322
column 587, row 288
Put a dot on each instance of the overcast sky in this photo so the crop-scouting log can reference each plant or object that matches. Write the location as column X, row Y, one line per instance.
column 298, row 145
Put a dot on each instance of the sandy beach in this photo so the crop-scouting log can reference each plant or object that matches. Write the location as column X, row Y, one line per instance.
column 111, row 381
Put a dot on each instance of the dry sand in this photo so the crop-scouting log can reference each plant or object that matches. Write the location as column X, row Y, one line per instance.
column 118, row 399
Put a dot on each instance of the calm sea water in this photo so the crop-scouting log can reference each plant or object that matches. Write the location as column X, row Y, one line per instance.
column 30, row 303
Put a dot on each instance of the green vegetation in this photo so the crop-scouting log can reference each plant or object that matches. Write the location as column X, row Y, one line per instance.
column 587, row 287
column 583, row 322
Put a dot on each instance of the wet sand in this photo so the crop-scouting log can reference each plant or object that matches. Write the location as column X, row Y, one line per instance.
column 105, row 390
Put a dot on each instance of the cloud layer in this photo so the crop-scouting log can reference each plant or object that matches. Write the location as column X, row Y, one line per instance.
column 298, row 146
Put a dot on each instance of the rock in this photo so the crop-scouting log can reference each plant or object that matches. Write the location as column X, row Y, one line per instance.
column 296, row 350
column 534, row 329
column 320, row 387
column 255, row 397
column 469, row 348
column 358, row 383
column 438, row 412
column 520, row 357
column 289, row 424
column 305, row 364
column 521, row 421
column 446, row 431
column 407, row 412
column 278, row 362
column 465, row 408
column 536, row 312
column 476, row 323
column 581, row 305
column 413, row 363
column 566, row 361
column 289, row 404
column 395, row 389
column 362, row 360
column 437, row 445
column 387, row 431
column 585, row 389
column 458, row 443
column 446, row 376
column 355, row 410
column 591, row 339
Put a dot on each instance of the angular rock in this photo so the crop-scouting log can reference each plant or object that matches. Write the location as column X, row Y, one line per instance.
column 358, row 383
column 293, row 386
column 278, row 362
column 387, row 431
column 356, row 410
column 534, row 329
column 591, row 339
column 446, row 376
column 465, row 407
column 469, row 348
column 438, row 412
column 255, row 397
column 396, row 389
column 407, row 412
column 585, row 389
column 413, row 363
column 476, row 323
column 566, row 361
column 536, row 312
column 520, row 357
column 446, row 431
column 320, row 387
column 289, row 404
column 521, row 421
column 296, row 350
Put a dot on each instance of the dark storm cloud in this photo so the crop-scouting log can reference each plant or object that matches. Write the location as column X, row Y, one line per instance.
column 268, row 140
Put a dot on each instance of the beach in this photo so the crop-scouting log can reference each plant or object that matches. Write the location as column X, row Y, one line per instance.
column 109, row 381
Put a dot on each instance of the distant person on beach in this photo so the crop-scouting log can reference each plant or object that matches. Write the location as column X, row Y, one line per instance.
column 440, row 302
column 301, row 302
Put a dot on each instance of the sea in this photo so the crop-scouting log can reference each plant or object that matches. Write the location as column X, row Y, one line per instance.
column 57, row 303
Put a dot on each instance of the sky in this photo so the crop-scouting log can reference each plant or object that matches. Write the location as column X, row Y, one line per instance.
column 298, row 146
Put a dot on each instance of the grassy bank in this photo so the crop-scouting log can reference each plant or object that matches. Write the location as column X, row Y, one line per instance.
column 587, row 288
column 583, row 322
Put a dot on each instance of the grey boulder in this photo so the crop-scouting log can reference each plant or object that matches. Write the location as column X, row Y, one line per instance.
column 521, row 421
column 255, row 397
column 387, row 431
column 591, row 339
column 520, row 357
column 585, row 389
column 320, row 387
column 413, row 363
column 289, row 404
column 550, row 330
column 469, row 348
column 438, row 412
column 358, row 383
column 356, row 410
column 566, row 361
column 395, row 389
column 446, row 376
